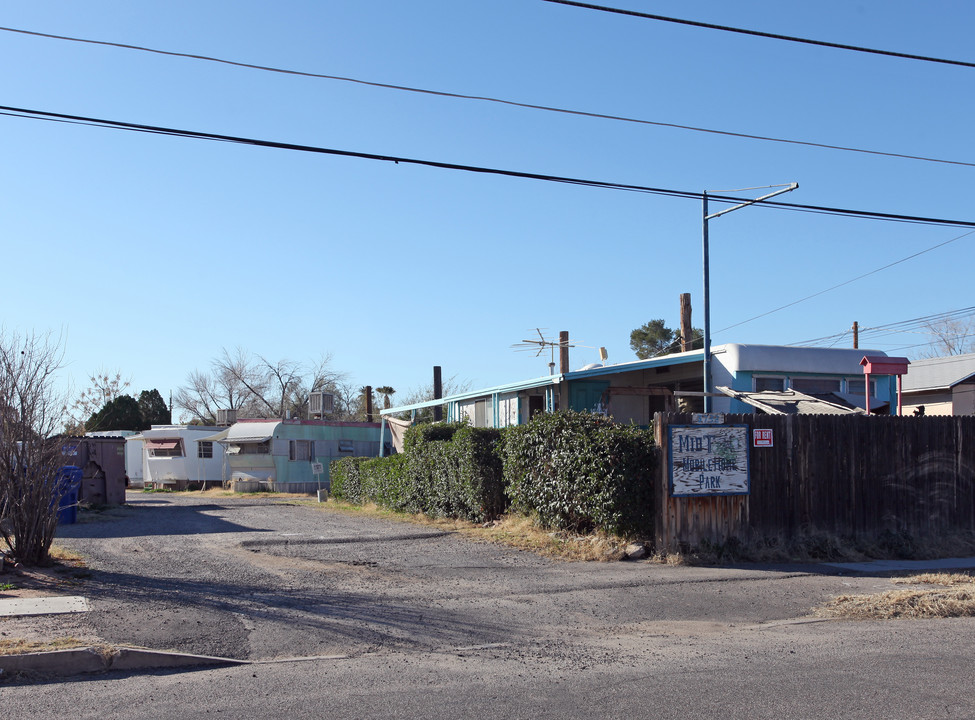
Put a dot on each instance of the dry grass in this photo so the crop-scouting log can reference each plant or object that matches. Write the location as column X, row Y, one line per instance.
column 512, row 530
column 18, row 646
column 942, row 578
column 954, row 596
column 65, row 556
column 223, row 492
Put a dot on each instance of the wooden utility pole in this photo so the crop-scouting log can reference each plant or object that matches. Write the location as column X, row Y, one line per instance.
column 368, row 392
column 685, row 322
column 437, row 393
column 564, row 352
column 856, row 335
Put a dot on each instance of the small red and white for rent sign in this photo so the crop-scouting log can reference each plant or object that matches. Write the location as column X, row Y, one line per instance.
column 761, row 437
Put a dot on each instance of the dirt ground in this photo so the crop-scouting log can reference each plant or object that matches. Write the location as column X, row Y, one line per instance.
column 262, row 577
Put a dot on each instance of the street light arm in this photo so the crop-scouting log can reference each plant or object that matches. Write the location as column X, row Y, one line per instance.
column 790, row 188
column 707, row 281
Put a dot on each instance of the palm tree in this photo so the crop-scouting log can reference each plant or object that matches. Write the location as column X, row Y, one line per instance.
column 385, row 391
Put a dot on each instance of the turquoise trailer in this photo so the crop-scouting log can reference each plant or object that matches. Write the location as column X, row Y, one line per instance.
column 292, row 455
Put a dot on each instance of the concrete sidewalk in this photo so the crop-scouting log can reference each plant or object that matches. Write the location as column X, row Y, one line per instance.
column 891, row 566
column 54, row 605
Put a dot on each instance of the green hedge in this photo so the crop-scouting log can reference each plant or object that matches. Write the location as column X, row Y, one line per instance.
column 450, row 470
column 574, row 471
column 378, row 480
column 580, row 471
column 457, row 471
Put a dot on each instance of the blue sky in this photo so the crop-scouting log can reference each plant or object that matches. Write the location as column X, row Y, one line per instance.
column 152, row 253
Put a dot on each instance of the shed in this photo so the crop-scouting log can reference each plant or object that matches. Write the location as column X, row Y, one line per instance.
column 102, row 462
column 133, row 453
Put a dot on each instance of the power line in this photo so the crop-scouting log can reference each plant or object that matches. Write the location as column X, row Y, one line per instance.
column 759, row 33
column 501, row 101
column 900, row 326
column 668, row 192
column 847, row 282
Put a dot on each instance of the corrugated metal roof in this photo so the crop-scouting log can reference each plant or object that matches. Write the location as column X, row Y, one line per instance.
column 939, row 373
column 789, row 402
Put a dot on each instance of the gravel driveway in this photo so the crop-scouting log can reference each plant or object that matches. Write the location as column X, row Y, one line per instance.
column 259, row 578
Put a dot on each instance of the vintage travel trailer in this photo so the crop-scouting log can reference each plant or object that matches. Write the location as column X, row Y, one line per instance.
column 284, row 455
column 177, row 457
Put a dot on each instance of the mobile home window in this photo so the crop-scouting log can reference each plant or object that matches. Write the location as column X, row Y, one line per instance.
column 856, row 387
column 764, row 384
column 300, row 451
column 165, row 448
column 204, row 449
column 816, row 385
column 346, row 446
column 261, row 448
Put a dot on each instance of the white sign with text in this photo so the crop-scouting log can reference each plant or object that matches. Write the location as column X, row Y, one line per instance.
column 708, row 460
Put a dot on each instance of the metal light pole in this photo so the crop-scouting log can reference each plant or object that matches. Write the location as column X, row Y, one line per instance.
column 708, row 389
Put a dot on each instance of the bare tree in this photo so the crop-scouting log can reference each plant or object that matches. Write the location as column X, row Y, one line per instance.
column 451, row 386
column 31, row 412
column 255, row 386
column 104, row 387
column 951, row 336
column 349, row 402
column 207, row 392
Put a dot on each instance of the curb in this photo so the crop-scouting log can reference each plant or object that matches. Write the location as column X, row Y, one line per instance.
column 101, row 659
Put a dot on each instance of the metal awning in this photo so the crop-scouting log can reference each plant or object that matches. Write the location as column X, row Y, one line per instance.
column 162, row 443
column 216, row 437
column 250, row 432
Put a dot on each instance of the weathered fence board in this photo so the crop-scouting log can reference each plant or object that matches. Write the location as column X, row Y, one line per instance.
column 853, row 476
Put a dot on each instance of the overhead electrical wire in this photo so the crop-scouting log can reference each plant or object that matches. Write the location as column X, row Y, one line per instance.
column 846, row 282
column 941, row 361
column 686, row 194
column 762, row 34
column 502, row 101
column 913, row 325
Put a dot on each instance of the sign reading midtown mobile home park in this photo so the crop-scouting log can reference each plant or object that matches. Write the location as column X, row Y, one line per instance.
column 708, row 460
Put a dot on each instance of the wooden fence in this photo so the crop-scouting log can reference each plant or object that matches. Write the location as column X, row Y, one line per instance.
column 849, row 475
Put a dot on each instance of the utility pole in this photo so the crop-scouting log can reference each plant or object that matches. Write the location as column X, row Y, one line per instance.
column 856, row 335
column 708, row 389
column 437, row 393
column 686, row 329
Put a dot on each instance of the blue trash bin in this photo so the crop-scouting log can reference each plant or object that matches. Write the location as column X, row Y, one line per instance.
column 69, row 483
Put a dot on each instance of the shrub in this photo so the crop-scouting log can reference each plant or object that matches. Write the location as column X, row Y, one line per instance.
column 346, row 479
column 455, row 471
column 447, row 471
column 579, row 471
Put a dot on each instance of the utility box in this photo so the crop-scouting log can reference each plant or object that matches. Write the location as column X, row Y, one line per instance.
column 102, row 463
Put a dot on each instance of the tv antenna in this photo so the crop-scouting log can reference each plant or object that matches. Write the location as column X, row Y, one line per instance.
column 540, row 345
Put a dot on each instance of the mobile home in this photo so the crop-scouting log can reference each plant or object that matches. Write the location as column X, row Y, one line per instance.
column 284, row 455
column 180, row 456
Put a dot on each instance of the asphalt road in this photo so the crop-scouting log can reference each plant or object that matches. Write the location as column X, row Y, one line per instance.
column 356, row 617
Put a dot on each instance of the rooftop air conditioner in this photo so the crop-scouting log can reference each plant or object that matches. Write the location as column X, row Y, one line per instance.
column 226, row 417
column 320, row 403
